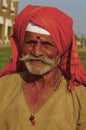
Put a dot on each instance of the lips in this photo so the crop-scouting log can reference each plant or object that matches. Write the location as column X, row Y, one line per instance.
column 36, row 62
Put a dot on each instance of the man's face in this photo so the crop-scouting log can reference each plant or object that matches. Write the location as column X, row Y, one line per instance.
column 39, row 53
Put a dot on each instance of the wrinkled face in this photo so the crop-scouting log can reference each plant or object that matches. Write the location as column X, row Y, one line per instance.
column 39, row 53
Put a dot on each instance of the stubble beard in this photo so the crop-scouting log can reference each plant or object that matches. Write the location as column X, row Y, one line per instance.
column 39, row 71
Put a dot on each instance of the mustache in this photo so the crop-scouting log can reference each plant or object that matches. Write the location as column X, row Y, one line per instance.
column 43, row 59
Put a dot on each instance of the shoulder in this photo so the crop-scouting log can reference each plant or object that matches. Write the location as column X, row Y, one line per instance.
column 9, row 82
column 7, row 78
column 81, row 96
column 9, row 87
column 77, row 95
column 80, row 91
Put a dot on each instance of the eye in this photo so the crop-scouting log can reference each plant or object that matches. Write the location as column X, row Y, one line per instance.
column 48, row 43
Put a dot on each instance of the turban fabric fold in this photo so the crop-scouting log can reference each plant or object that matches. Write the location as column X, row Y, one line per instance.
column 59, row 25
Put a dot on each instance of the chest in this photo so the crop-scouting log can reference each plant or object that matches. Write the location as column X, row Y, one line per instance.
column 56, row 114
column 36, row 98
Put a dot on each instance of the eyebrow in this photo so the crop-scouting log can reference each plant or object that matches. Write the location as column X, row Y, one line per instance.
column 31, row 36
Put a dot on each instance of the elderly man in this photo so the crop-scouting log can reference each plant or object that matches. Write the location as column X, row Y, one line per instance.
column 43, row 86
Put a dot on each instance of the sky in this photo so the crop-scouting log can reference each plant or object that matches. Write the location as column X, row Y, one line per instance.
column 74, row 8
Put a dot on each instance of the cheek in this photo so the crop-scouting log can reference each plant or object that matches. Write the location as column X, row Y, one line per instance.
column 52, row 53
column 26, row 49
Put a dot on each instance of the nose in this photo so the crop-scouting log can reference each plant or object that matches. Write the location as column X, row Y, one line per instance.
column 37, row 49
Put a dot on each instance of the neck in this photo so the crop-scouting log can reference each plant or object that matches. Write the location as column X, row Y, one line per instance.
column 44, row 80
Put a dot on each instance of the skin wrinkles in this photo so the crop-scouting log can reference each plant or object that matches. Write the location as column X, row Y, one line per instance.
column 39, row 53
column 46, row 41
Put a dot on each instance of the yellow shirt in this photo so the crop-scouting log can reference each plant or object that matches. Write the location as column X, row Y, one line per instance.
column 65, row 110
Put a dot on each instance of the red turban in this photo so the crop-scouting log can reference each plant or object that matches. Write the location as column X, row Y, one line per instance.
column 59, row 25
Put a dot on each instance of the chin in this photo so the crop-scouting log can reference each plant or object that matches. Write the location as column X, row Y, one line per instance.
column 40, row 70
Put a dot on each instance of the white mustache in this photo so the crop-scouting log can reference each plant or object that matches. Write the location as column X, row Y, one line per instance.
column 43, row 59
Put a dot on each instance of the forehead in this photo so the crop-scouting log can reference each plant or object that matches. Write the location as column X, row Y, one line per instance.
column 35, row 35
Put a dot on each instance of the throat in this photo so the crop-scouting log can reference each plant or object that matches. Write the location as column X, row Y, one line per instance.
column 36, row 97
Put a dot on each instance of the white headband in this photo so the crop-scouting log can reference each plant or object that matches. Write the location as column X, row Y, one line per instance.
column 37, row 29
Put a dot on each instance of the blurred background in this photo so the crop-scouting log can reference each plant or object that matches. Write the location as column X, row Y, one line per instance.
column 10, row 8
